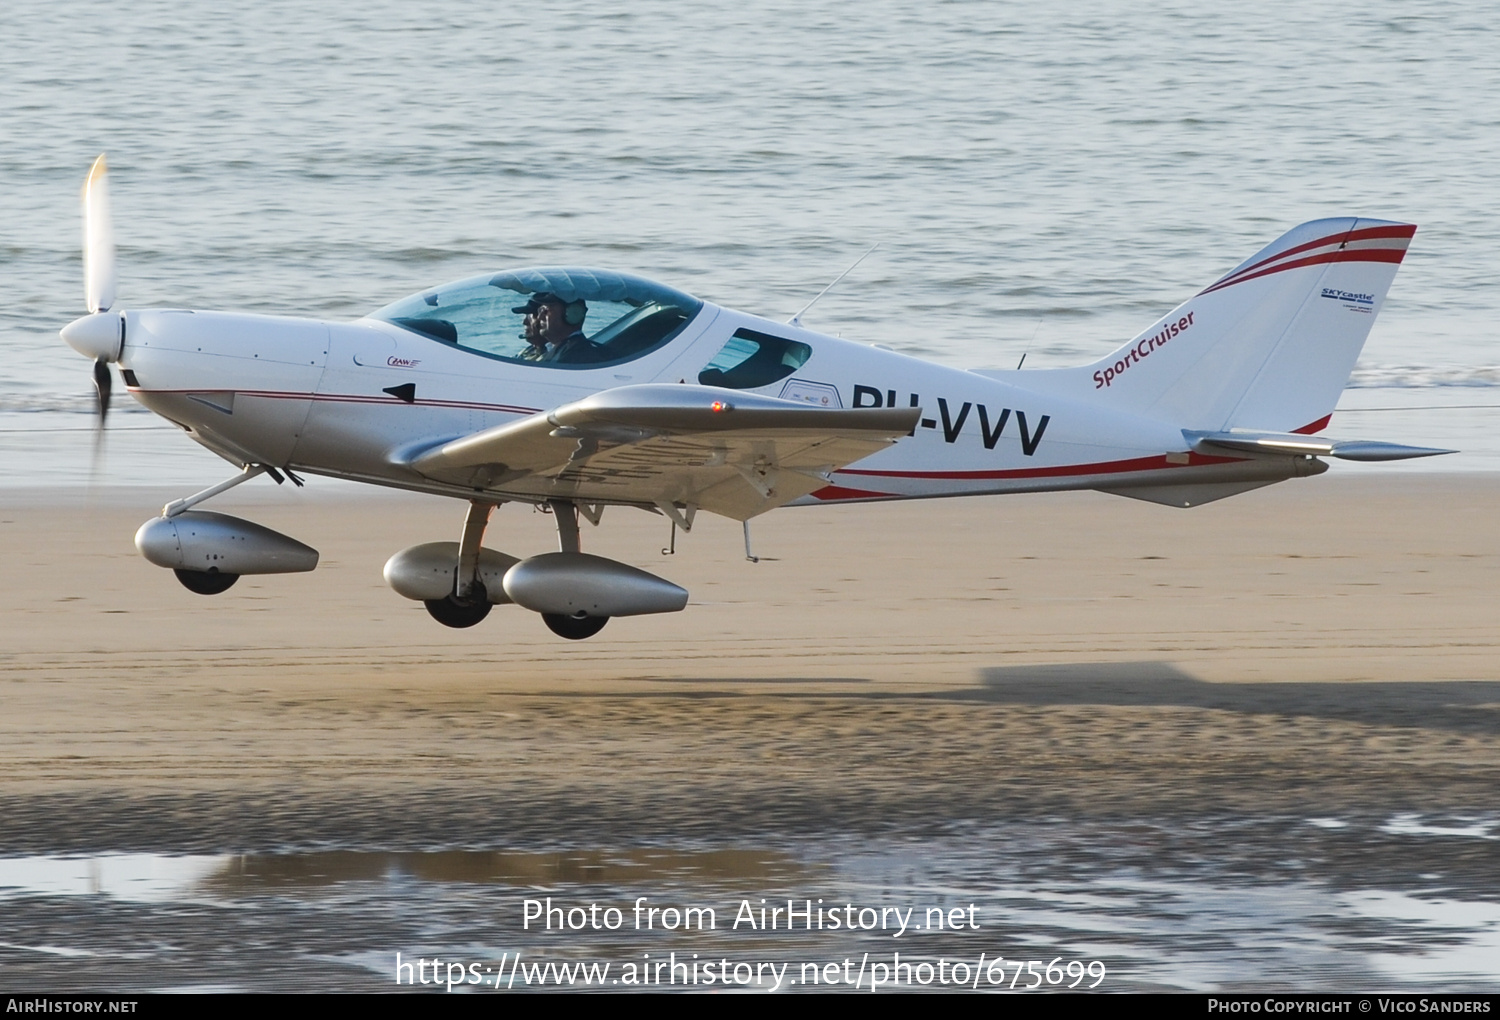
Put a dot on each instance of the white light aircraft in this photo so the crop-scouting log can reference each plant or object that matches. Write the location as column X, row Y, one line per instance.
column 579, row 389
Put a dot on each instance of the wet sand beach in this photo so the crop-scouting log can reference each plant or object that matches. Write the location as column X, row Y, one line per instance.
column 1292, row 695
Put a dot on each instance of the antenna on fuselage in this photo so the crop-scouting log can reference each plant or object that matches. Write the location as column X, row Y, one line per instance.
column 1029, row 343
column 796, row 320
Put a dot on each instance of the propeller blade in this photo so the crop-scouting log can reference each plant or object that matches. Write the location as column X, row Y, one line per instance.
column 98, row 241
column 103, row 384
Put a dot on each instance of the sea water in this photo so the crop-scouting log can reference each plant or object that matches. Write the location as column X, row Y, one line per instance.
column 1043, row 179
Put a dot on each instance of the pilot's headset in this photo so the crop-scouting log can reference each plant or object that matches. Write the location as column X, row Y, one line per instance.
column 574, row 312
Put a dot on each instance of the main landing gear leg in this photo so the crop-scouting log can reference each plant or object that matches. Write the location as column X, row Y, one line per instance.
column 469, row 602
column 565, row 514
column 475, row 522
column 574, row 628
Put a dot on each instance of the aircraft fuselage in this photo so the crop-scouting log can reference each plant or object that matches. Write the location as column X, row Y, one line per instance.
column 358, row 400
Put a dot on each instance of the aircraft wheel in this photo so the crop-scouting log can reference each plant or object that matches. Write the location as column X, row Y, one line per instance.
column 206, row 582
column 452, row 613
column 574, row 628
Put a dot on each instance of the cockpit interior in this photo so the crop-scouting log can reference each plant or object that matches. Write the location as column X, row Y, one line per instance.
column 620, row 317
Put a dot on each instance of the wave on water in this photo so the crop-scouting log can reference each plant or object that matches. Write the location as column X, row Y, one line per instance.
column 1423, row 376
column 64, row 403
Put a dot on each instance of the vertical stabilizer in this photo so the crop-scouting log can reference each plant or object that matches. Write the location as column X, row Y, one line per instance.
column 1269, row 345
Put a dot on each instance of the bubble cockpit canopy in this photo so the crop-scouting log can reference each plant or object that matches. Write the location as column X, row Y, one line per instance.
column 620, row 316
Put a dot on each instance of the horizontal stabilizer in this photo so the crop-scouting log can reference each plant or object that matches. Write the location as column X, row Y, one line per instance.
column 1293, row 444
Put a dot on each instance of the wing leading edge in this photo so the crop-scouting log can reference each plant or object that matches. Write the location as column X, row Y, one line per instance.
column 724, row 451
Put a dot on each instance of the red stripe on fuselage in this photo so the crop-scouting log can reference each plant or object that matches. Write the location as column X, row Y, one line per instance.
column 348, row 398
column 837, row 492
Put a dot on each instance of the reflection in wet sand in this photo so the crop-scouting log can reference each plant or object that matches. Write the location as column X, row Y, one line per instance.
column 252, row 872
column 1164, row 903
column 165, row 877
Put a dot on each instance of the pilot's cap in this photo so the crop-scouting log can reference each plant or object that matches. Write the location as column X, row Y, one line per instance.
column 536, row 301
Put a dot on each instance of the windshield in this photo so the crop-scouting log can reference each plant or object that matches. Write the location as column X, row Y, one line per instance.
column 555, row 317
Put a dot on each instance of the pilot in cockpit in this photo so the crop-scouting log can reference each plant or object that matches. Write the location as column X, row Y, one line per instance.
column 531, row 326
column 561, row 326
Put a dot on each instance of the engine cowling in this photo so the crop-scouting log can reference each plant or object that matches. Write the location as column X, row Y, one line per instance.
column 577, row 584
column 202, row 540
column 426, row 572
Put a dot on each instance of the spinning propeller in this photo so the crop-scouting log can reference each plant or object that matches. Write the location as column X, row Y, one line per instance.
column 100, row 334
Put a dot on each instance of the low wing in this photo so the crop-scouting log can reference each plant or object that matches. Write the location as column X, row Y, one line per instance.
column 724, row 451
